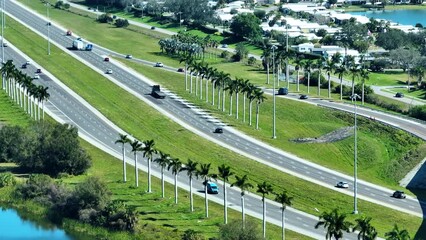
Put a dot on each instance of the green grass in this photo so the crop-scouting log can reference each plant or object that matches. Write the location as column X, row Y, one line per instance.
column 124, row 110
column 10, row 114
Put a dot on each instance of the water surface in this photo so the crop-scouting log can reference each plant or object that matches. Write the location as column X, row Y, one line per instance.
column 405, row 17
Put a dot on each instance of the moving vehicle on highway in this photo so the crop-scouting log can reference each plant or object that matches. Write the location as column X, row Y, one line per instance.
column 212, row 188
column 399, row 194
column 342, row 185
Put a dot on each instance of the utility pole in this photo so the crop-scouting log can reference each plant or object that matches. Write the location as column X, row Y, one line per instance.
column 273, row 92
column 354, row 97
column 48, row 28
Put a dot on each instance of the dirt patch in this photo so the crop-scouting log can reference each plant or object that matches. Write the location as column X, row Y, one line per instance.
column 333, row 136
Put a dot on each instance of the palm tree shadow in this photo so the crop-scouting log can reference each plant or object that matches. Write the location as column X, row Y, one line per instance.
column 417, row 186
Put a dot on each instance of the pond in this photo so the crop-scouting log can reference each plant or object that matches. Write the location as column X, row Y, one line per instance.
column 13, row 226
column 405, row 17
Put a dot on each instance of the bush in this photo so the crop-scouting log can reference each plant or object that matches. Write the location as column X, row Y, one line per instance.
column 251, row 61
column 313, row 80
column 224, row 54
column 418, row 112
column 233, row 230
column 373, row 99
column 105, row 18
column 121, row 23
column 7, row 179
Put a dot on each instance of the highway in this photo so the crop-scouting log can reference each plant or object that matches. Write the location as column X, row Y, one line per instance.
column 195, row 120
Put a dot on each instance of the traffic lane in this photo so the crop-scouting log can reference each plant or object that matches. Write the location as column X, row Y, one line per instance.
column 91, row 56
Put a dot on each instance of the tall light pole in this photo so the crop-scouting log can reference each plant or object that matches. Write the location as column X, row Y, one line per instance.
column 273, row 92
column 354, row 97
column 48, row 28
column 2, row 41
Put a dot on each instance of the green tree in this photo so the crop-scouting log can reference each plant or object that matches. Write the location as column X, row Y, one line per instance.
column 123, row 139
column 244, row 185
column 191, row 171
column 121, row 23
column 241, row 52
column 366, row 230
column 246, row 26
column 163, row 160
column 176, row 166
column 12, row 143
column 149, row 150
column 285, row 201
column 225, row 173
column 233, row 231
column 391, row 39
column 264, row 189
column 335, row 223
column 136, row 147
column 397, row 234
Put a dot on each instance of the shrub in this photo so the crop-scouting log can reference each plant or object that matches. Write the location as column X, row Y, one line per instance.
column 224, row 54
column 191, row 235
column 373, row 99
column 7, row 179
column 121, row 23
column 418, row 112
column 105, row 18
column 251, row 61
column 233, row 230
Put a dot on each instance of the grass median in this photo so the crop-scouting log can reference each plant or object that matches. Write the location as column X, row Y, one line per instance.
column 125, row 110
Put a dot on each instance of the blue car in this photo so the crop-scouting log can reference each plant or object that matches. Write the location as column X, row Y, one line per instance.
column 212, row 188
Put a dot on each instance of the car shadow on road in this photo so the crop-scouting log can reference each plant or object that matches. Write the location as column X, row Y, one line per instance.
column 417, row 186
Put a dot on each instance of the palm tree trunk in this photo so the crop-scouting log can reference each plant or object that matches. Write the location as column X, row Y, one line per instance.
column 201, row 87
column 149, row 175
column 207, row 91
column 186, row 76
column 196, row 85
column 190, row 85
column 353, row 85
column 250, row 110
column 319, row 82
column 225, row 205
column 176, row 190
column 213, row 88
column 136, row 170
column 363, row 85
column 162, row 182
column 191, row 200
column 287, row 74
column 243, row 216
column 329, row 86
column 244, row 108
column 206, row 201
column 283, row 223
column 236, row 106
column 264, row 218
column 341, row 88
column 230, row 105
column 223, row 100
column 218, row 98
column 267, row 73
column 124, row 163
column 257, row 115
column 309, row 79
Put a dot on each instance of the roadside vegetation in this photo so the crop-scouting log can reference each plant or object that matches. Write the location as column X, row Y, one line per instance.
column 158, row 133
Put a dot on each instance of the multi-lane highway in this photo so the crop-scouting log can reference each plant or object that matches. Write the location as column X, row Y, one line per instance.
column 193, row 119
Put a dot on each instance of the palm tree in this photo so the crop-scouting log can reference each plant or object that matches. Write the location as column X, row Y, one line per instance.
column 366, row 231
column 364, row 77
column 335, row 223
column 320, row 65
column 259, row 96
column 188, row 59
column 136, row 147
column 176, row 166
column 251, row 95
column 266, row 55
column 191, row 171
column 163, row 160
column 231, row 88
column 299, row 64
column 225, row 173
column 341, row 70
column 354, row 70
column 264, row 189
column 285, row 201
column 123, row 139
column 6, row 71
column 245, row 90
column 204, row 172
column 397, row 234
column 307, row 65
column 43, row 96
column 244, row 185
column 239, row 86
column 329, row 67
column 149, row 150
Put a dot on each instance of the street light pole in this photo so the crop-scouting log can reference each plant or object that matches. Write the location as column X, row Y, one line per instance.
column 2, row 41
column 273, row 92
column 354, row 97
column 287, row 77
column 48, row 28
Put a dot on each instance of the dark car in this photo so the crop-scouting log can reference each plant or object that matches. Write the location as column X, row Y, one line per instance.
column 38, row 70
column 399, row 95
column 24, row 66
column 218, row 130
column 181, row 70
column 398, row 194
column 303, row 96
column 106, row 59
column 153, row 28
column 283, row 91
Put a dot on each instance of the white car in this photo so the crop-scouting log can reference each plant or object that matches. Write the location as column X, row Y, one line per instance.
column 27, row 63
column 36, row 76
column 342, row 185
column 109, row 71
column 159, row 64
column 128, row 56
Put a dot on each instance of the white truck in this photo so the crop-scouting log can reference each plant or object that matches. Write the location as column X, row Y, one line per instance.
column 78, row 44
